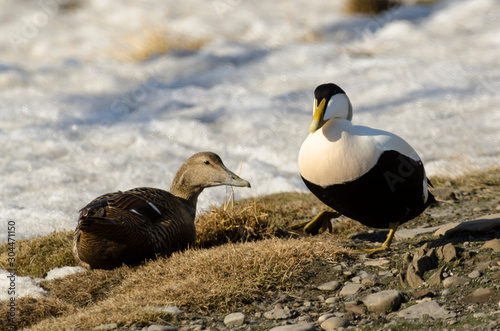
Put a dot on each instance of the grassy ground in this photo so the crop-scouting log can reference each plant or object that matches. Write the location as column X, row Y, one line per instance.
column 245, row 253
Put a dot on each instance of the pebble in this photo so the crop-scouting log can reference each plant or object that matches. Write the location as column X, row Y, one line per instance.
column 492, row 244
column 474, row 274
column 324, row 317
column 350, row 289
column 383, row 302
column 278, row 314
column 110, row 326
column 335, row 323
column 295, row 327
column 449, row 253
column 157, row 327
column 358, row 310
column 234, row 319
column 481, row 295
column 332, row 300
column 412, row 278
column 430, row 308
column 376, row 263
column 330, row 286
column 436, row 277
column 455, row 281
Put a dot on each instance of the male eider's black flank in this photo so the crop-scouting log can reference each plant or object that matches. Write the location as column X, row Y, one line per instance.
column 369, row 175
column 128, row 227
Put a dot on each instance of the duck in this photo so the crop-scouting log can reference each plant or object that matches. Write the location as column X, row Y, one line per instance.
column 372, row 176
column 143, row 223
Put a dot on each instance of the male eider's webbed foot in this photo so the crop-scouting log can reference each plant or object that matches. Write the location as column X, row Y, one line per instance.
column 385, row 246
column 319, row 224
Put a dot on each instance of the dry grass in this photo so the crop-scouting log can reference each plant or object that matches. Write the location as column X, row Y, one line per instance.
column 204, row 281
column 154, row 40
column 369, row 6
column 35, row 257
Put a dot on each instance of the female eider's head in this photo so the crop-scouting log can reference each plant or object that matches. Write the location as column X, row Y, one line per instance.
column 330, row 101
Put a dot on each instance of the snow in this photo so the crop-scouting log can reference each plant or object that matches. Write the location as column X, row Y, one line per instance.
column 79, row 118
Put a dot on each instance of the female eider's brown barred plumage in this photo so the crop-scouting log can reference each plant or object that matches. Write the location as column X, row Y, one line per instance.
column 128, row 227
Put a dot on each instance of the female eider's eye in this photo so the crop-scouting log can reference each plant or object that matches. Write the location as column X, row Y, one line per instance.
column 207, row 162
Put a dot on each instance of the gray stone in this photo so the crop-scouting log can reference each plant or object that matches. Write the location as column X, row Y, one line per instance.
column 335, row 323
column 383, row 302
column 455, row 281
column 324, row 317
column 482, row 224
column 481, row 295
column 234, row 319
column 157, row 327
column 436, row 277
column 474, row 274
column 350, row 289
column 376, row 263
column 278, row 314
column 330, row 286
column 493, row 244
column 412, row 278
column 110, row 326
column 332, row 300
column 449, row 252
column 358, row 310
column 295, row 327
column 430, row 308
column 405, row 234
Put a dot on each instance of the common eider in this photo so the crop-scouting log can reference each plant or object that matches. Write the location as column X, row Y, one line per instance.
column 369, row 175
column 128, row 227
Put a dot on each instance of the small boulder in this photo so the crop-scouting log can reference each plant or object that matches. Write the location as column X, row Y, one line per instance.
column 234, row 319
column 335, row 323
column 383, row 302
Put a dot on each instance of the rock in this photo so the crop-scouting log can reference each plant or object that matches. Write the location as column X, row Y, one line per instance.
column 368, row 282
column 350, row 289
column 110, row 326
column 383, row 302
column 492, row 244
column 412, row 278
column 423, row 293
column 423, row 264
column 295, row 327
column 278, row 314
column 332, row 300
column 455, row 281
column 157, row 327
column 330, row 286
column 474, row 274
column 430, row 308
column 358, row 310
column 324, row 317
column 481, row 295
column 449, row 252
column 436, row 277
column 405, row 234
column 234, row 319
column 482, row 224
column 335, row 323
column 376, row 263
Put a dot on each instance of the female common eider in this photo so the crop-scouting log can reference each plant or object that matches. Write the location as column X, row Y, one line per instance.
column 128, row 227
column 369, row 175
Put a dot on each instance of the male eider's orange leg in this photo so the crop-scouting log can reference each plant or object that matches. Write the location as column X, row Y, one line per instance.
column 387, row 243
column 319, row 224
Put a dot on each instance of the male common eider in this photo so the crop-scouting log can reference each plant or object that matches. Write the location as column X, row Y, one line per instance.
column 128, row 227
column 369, row 175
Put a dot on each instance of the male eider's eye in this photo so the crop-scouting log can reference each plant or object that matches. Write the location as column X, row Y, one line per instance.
column 207, row 162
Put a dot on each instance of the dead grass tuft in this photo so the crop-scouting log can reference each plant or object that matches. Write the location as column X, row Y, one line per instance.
column 205, row 281
column 35, row 257
column 154, row 40
column 369, row 6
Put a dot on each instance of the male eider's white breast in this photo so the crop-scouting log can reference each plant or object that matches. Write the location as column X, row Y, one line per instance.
column 340, row 152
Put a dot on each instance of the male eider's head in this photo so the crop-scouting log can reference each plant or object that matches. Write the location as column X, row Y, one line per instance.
column 330, row 101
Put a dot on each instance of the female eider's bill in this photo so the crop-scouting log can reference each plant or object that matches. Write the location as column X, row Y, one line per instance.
column 128, row 227
column 369, row 175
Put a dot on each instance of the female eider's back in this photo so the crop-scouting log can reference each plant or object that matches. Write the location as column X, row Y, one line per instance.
column 128, row 227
